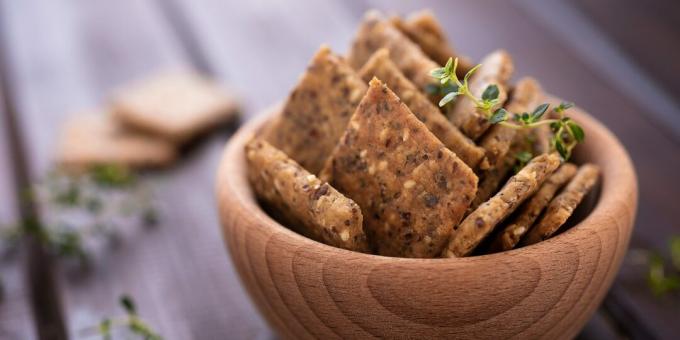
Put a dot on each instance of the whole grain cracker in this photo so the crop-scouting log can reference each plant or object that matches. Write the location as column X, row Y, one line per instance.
column 423, row 28
column 496, row 68
column 563, row 205
column 411, row 188
column 316, row 112
column 541, row 136
column 380, row 66
column 94, row 138
column 476, row 226
column 376, row 32
column 530, row 210
column 175, row 105
column 497, row 140
column 490, row 181
column 308, row 205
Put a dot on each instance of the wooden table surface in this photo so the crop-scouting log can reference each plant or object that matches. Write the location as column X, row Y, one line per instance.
column 58, row 57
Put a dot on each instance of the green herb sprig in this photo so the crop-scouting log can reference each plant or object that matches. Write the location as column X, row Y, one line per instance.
column 80, row 207
column 660, row 280
column 455, row 87
column 566, row 132
column 131, row 321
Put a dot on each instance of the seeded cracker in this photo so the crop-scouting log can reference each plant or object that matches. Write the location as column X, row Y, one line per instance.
column 424, row 29
column 410, row 187
column 376, row 32
column 562, row 206
column 380, row 66
column 481, row 222
column 317, row 111
column 177, row 106
column 497, row 140
column 96, row 139
column 491, row 180
column 308, row 205
column 541, row 136
column 530, row 210
column 496, row 69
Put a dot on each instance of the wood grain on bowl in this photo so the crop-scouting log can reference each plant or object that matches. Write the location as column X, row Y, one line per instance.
column 306, row 289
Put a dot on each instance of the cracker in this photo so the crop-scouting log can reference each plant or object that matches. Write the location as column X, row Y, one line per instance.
column 541, row 136
column 490, row 181
column 310, row 206
column 496, row 68
column 96, row 139
column 530, row 210
column 496, row 142
column 476, row 226
column 563, row 205
column 177, row 106
column 411, row 188
column 376, row 32
column 380, row 66
column 423, row 28
column 317, row 111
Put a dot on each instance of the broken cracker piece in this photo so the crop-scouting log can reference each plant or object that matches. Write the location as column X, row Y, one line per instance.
column 530, row 210
column 177, row 106
column 317, row 111
column 563, row 205
column 380, row 66
column 376, row 32
column 309, row 206
column 410, row 187
column 490, row 181
column 496, row 69
column 96, row 139
column 476, row 226
column 423, row 28
column 497, row 140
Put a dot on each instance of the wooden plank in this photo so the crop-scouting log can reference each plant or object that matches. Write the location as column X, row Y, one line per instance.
column 9, row 208
column 536, row 51
column 657, row 20
column 67, row 57
column 600, row 327
column 265, row 62
column 597, row 49
column 16, row 320
column 38, row 282
column 220, row 26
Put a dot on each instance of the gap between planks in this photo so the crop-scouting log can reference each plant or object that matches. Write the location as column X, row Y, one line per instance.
column 45, row 301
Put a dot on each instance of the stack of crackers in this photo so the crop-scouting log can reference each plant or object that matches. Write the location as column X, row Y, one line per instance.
column 146, row 123
column 360, row 156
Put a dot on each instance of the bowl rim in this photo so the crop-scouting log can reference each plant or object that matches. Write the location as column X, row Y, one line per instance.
column 617, row 179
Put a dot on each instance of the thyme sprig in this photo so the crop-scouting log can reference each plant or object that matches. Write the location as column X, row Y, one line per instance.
column 455, row 87
column 659, row 279
column 566, row 133
column 131, row 321
column 82, row 208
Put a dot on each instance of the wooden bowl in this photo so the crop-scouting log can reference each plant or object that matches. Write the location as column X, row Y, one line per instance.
column 306, row 289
